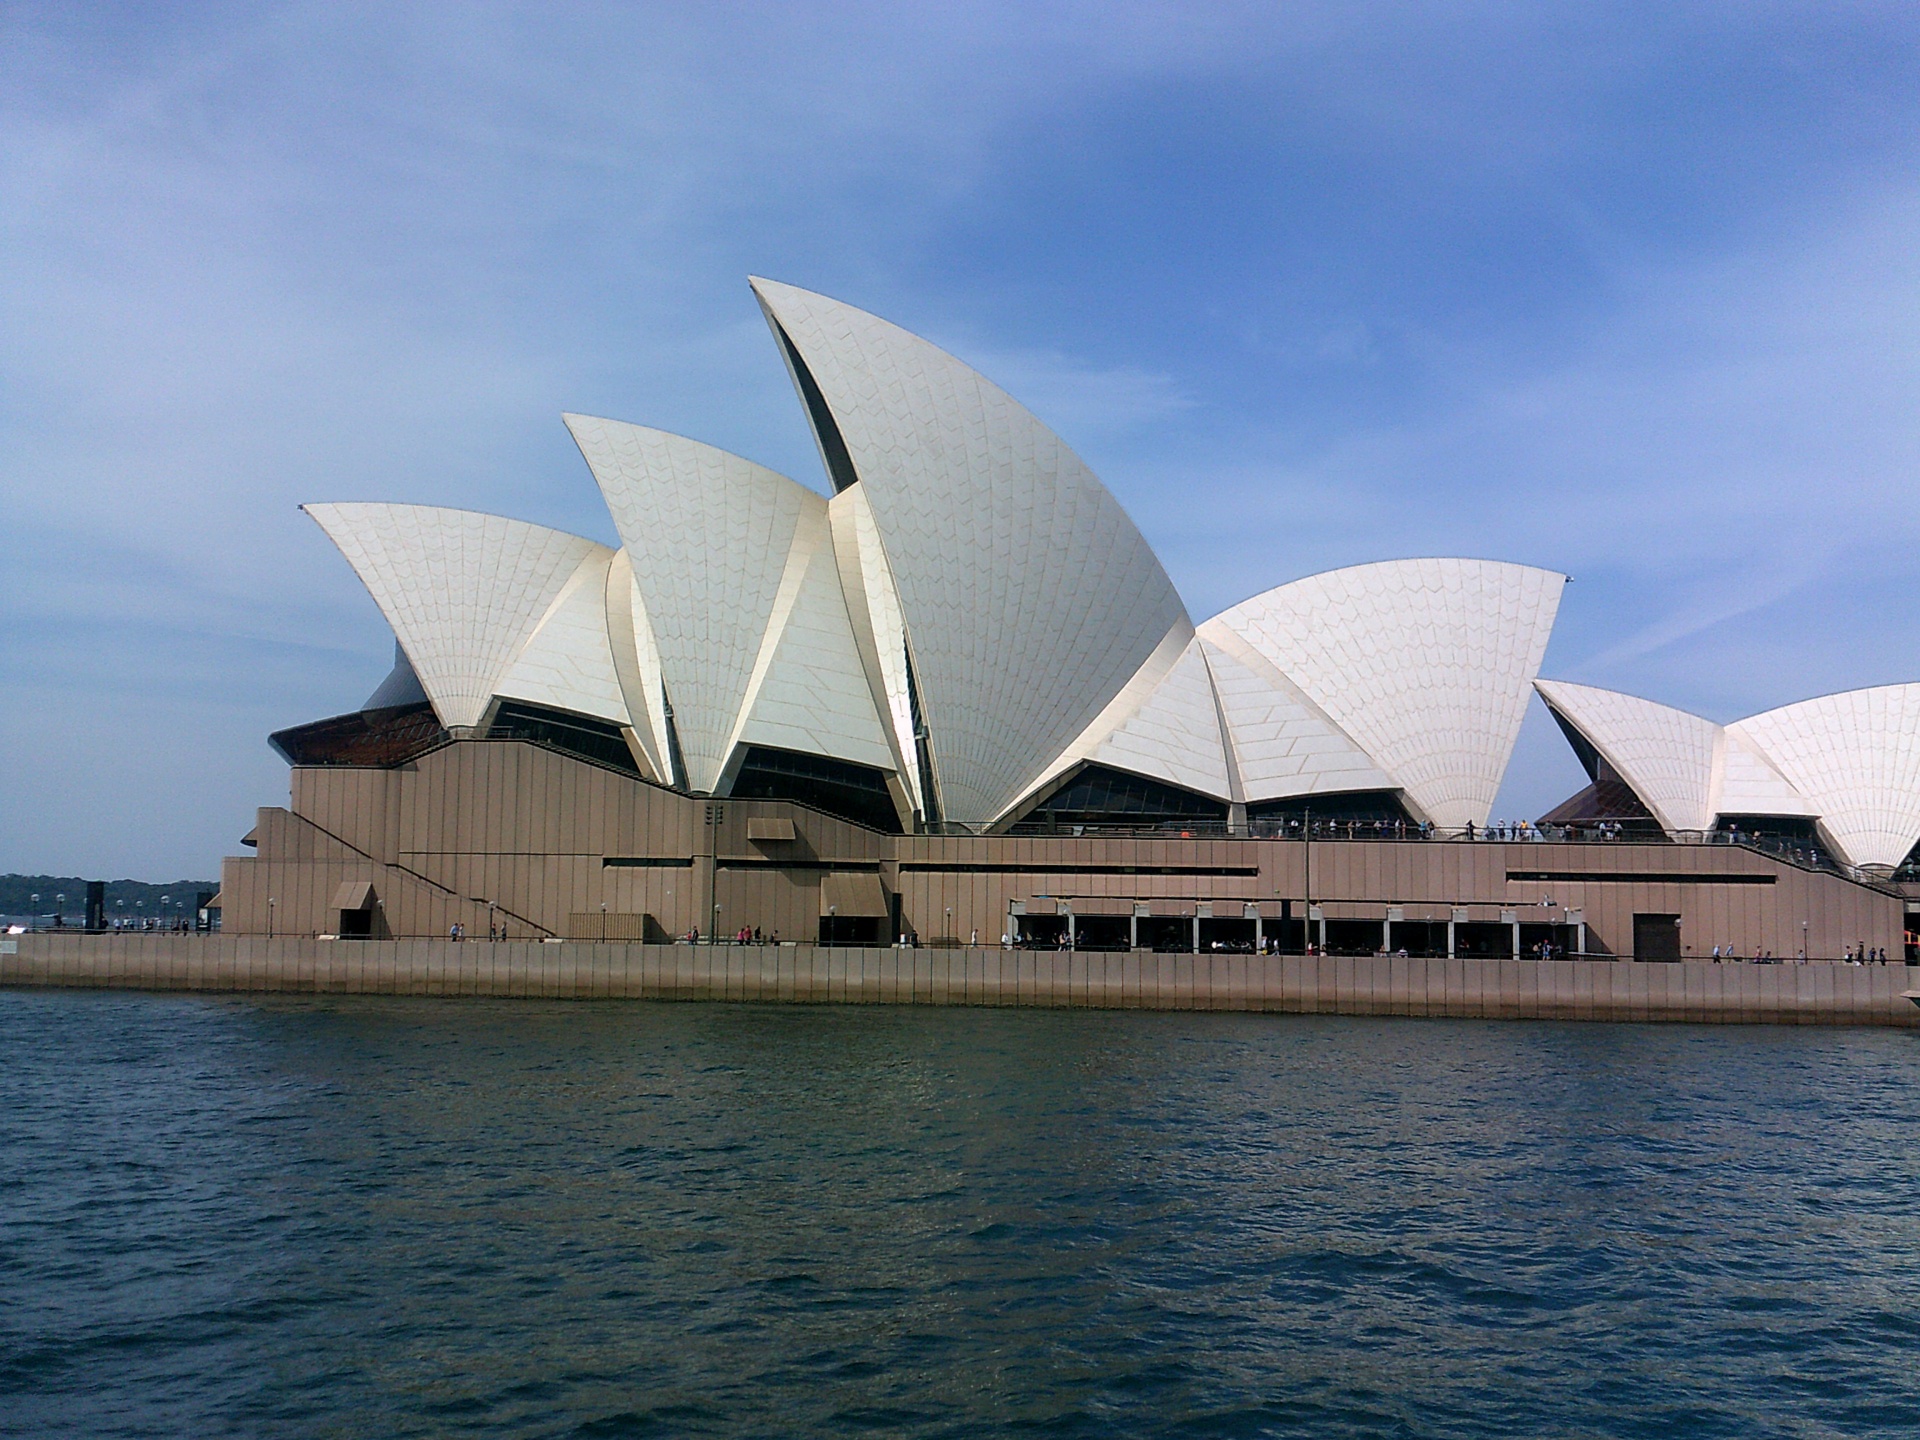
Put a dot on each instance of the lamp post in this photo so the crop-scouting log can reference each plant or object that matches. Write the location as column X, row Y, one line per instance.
column 164, row 901
column 60, row 910
column 1306, row 900
column 271, row 902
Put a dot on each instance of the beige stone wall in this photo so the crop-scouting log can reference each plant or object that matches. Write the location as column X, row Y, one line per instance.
column 1811, row 994
column 543, row 839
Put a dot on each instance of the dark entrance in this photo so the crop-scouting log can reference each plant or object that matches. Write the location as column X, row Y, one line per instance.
column 1483, row 940
column 1040, row 932
column 1232, row 934
column 1560, row 940
column 1354, row 937
column 1286, row 937
column 1166, row 934
column 1421, row 938
column 1101, row 932
column 851, row 929
column 1656, row 937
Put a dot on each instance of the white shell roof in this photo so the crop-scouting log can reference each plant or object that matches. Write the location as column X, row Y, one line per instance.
column 1424, row 664
column 568, row 664
column 463, row 592
column 1164, row 724
column 970, row 544
column 1856, row 758
column 1850, row 760
column 1747, row 783
column 708, row 535
column 1028, row 597
column 1283, row 745
column 1666, row 755
column 809, row 691
column 880, row 635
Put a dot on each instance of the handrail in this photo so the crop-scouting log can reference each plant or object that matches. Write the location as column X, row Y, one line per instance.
column 426, row 880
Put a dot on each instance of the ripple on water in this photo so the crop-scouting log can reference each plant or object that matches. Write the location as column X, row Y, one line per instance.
column 393, row 1217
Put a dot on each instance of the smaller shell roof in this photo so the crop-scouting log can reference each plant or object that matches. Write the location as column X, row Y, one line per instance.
column 1665, row 755
column 1424, row 663
column 1855, row 756
column 1850, row 760
column 464, row 592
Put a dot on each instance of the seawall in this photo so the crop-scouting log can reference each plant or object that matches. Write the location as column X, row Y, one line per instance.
column 1821, row 993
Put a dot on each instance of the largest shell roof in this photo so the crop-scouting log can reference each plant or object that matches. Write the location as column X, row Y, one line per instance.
column 971, row 613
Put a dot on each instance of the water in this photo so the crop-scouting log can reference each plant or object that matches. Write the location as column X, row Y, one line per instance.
column 358, row 1217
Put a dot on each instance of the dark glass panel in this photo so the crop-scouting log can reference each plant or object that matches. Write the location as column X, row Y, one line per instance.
column 374, row 739
column 1374, row 809
column 838, row 787
column 1096, row 798
column 596, row 740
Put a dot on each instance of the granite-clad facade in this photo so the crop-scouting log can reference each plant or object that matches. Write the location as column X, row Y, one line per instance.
column 513, row 835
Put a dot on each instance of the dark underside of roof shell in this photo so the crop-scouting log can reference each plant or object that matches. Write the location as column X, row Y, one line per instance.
column 1096, row 798
column 371, row 739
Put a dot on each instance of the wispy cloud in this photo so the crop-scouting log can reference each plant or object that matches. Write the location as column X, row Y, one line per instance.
column 1620, row 290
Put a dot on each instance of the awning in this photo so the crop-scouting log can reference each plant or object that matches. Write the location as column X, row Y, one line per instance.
column 354, row 895
column 768, row 827
column 857, row 892
column 217, row 902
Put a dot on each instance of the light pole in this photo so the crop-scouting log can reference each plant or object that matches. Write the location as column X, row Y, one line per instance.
column 164, row 901
column 60, row 911
column 1306, row 900
column 271, row 902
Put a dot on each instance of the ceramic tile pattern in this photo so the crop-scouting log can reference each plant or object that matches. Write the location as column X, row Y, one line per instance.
column 1852, row 760
column 1426, row 664
column 463, row 592
column 1041, row 631
column 1028, row 596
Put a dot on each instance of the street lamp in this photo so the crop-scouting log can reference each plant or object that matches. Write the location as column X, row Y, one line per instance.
column 271, row 902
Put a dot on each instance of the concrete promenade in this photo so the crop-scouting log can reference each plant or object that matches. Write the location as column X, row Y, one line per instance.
column 1822, row 993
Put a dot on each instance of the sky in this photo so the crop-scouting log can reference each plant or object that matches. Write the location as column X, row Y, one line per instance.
column 1631, row 291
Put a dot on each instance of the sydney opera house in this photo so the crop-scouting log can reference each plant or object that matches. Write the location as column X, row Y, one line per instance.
column 959, row 701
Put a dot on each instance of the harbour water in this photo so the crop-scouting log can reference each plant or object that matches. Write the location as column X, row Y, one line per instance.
column 279, row 1216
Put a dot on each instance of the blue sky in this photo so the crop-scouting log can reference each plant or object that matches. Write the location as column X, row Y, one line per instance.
column 1632, row 291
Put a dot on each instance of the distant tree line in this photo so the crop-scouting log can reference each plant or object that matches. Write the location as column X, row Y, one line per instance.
column 17, row 892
